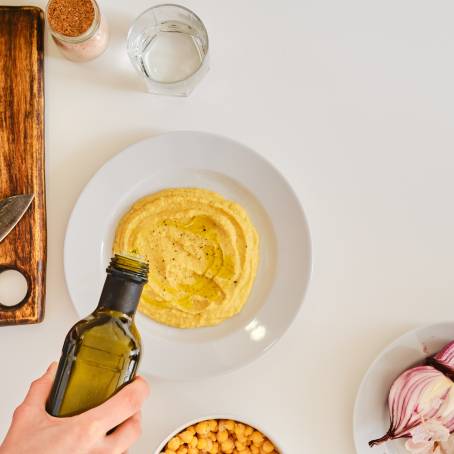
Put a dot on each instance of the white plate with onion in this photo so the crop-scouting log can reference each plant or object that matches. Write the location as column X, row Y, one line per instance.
column 371, row 417
column 201, row 160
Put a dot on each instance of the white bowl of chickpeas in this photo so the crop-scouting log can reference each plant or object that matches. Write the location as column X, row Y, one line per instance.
column 219, row 436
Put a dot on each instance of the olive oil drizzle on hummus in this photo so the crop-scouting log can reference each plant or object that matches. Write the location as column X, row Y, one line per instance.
column 203, row 284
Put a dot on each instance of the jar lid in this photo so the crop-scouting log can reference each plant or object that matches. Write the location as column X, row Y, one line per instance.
column 85, row 35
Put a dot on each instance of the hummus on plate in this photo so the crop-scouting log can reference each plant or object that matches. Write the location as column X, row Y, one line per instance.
column 203, row 253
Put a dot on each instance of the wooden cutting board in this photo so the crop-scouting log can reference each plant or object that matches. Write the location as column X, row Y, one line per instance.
column 22, row 153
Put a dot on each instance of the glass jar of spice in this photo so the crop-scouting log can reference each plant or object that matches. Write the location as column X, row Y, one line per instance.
column 78, row 28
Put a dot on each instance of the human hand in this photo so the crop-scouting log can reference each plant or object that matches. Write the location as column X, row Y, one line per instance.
column 34, row 431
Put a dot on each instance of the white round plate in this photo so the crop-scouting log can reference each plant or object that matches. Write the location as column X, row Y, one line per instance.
column 196, row 159
column 371, row 416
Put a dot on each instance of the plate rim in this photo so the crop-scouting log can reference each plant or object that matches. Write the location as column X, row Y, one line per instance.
column 305, row 223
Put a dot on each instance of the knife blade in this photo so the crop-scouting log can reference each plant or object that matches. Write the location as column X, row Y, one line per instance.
column 11, row 211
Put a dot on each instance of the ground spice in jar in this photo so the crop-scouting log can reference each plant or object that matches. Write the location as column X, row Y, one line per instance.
column 70, row 17
column 78, row 28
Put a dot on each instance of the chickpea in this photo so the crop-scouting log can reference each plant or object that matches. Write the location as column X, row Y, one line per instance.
column 254, row 450
column 215, row 448
column 186, row 436
column 202, row 428
column 239, row 428
column 228, row 446
column 212, row 436
column 248, row 430
column 257, row 438
column 227, row 424
column 230, row 425
column 182, row 450
column 174, row 443
column 222, row 436
column 191, row 429
column 202, row 444
column 194, row 442
column 242, row 439
column 268, row 447
column 213, row 425
column 240, row 446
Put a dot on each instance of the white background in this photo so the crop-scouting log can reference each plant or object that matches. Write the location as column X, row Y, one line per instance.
column 353, row 101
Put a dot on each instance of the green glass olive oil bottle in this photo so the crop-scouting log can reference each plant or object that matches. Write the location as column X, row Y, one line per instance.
column 101, row 352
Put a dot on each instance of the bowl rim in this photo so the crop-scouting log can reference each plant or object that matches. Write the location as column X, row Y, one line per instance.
column 231, row 416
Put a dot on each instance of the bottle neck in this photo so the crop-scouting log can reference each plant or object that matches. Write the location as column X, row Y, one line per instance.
column 120, row 294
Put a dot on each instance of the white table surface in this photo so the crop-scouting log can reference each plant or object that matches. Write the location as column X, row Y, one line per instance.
column 354, row 102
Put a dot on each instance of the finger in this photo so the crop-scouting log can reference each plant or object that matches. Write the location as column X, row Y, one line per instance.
column 40, row 388
column 125, row 435
column 120, row 406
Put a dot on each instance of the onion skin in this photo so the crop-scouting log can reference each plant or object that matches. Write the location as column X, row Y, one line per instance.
column 444, row 360
column 417, row 395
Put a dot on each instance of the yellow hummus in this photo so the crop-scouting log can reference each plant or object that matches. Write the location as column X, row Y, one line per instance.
column 203, row 253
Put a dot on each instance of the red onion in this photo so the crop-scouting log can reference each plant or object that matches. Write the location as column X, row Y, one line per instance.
column 417, row 395
column 444, row 360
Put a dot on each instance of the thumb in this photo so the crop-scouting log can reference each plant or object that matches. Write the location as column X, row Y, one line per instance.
column 40, row 388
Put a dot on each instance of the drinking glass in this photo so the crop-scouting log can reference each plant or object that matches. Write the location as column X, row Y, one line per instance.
column 168, row 46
